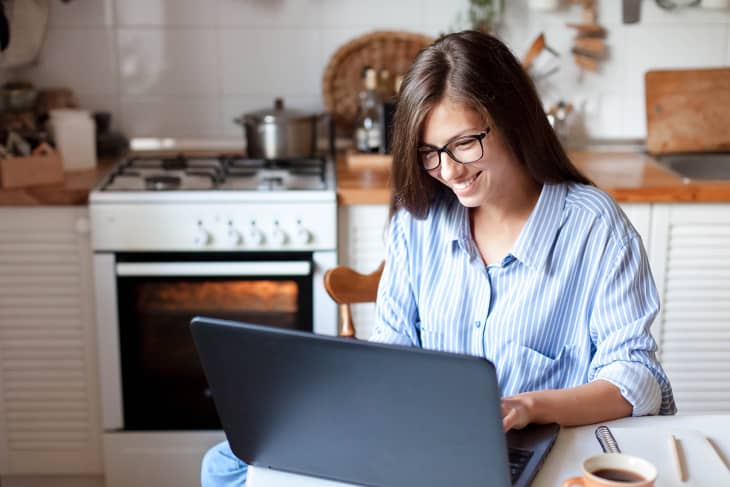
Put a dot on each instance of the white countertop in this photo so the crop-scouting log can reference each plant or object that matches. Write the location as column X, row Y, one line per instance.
column 645, row 436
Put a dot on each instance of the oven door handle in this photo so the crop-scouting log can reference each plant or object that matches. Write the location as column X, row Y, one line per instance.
column 214, row 269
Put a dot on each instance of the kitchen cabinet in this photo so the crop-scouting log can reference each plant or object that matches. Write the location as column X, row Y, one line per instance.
column 690, row 251
column 49, row 399
column 361, row 246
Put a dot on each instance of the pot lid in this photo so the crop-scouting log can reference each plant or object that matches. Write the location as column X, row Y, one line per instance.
column 276, row 114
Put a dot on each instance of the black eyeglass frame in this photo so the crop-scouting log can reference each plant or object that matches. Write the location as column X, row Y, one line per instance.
column 478, row 137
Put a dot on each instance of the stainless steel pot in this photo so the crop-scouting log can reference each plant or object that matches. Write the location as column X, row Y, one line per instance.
column 279, row 133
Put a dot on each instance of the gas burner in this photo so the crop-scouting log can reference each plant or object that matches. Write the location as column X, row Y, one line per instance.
column 161, row 182
column 230, row 172
column 175, row 163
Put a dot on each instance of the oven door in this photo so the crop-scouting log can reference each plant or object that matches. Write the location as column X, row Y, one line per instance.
column 163, row 385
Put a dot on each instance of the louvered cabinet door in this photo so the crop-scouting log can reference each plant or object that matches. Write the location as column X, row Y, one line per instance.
column 691, row 249
column 362, row 247
column 49, row 406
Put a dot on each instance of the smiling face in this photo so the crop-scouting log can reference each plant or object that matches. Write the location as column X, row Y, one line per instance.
column 484, row 181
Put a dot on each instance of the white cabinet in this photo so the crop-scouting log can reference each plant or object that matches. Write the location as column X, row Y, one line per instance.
column 49, row 406
column 640, row 216
column 362, row 246
column 690, row 247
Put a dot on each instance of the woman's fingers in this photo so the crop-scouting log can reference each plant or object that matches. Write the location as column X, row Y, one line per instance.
column 508, row 419
column 514, row 413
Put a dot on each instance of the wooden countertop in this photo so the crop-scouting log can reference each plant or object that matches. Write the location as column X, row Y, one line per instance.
column 74, row 190
column 629, row 177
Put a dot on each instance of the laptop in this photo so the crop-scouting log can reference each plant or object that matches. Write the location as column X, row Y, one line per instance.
column 362, row 412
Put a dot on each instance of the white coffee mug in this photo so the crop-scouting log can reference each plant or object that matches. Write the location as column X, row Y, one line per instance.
column 608, row 469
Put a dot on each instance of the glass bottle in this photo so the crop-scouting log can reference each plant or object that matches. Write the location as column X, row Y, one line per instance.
column 368, row 123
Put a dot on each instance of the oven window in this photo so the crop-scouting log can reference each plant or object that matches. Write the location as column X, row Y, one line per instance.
column 163, row 384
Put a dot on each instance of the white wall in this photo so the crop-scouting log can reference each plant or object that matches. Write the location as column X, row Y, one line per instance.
column 187, row 67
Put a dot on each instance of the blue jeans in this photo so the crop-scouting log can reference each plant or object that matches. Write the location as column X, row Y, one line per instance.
column 221, row 468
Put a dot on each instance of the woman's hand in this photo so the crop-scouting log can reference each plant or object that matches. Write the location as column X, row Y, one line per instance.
column 517, row 410
column 596, row 401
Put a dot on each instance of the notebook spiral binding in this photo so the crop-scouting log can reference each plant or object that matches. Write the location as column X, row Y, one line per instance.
column 606, row 440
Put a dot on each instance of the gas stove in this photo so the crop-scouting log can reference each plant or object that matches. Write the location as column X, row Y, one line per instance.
column 226, row 201
column 224, row 172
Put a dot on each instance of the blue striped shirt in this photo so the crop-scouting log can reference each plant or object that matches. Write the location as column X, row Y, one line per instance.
column 570, row 303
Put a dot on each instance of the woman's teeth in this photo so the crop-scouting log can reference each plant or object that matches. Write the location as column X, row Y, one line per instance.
column 466, row 183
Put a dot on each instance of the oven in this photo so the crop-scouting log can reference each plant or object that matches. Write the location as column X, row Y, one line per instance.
column 157, row 294
column 230, row 239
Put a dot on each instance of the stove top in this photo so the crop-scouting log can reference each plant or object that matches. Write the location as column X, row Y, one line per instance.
column 227, row 172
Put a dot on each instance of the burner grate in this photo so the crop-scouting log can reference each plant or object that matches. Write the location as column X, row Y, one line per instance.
column 223, row 172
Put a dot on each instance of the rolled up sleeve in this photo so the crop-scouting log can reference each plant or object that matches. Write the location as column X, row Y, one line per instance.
column 625, row 306
column 396, row 311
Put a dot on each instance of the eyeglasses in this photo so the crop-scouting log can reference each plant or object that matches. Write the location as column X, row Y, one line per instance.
column 464, row 150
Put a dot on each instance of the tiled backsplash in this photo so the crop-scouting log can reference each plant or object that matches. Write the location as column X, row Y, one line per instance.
column 186, row 68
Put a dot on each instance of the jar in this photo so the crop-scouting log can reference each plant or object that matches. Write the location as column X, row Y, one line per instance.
column 74, row 133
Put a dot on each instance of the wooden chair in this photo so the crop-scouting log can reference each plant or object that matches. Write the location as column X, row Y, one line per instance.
column 347, row 286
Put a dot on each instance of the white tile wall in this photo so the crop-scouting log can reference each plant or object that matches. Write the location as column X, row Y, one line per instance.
column 188, row 67
column 165, row 13
column 168, row 62
column 271, row 60
column 263, row 13
column 177, row 117
column 81, row 14
column 83, row 58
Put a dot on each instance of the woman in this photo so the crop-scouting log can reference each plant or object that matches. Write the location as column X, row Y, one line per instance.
column 500, row 248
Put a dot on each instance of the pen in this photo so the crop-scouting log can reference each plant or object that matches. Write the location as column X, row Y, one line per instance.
column 676, row 448
column 716, row 449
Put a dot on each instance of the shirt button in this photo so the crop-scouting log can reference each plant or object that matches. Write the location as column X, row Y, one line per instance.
column 478, row 324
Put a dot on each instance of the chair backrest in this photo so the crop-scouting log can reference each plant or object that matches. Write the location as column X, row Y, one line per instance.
column 347, row 286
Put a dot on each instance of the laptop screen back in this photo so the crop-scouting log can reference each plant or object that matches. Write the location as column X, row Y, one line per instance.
column 354, row 411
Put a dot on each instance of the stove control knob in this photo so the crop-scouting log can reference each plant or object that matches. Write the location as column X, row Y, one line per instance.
column 254, row 235
column 202, row 236
column 303, row 236
column 233, row 237
column 278, row 236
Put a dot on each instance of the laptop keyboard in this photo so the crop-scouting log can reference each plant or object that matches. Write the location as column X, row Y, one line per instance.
column 518, row 459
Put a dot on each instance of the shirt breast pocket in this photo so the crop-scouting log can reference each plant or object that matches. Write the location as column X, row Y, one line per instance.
column 530, row 370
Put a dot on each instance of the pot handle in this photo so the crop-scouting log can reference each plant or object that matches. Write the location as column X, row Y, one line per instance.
column 242, row 120
column 326, row 121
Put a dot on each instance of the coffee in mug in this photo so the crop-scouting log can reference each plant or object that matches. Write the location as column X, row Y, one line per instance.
column 608, row 469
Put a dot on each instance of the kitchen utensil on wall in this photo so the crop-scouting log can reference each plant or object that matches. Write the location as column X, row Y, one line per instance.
column 540, row 60
column 687, row 110
column 631, row 11
column 391, row 50
column 279, row 133
column 589, row 48
column 27, row 21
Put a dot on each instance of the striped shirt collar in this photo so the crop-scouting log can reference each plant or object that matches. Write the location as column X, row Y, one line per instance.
column 535, row 239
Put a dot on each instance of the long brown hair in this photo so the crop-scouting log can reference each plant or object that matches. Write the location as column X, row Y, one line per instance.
column 479, row 71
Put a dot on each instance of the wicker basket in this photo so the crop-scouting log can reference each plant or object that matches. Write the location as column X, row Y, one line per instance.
column 342, row 80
